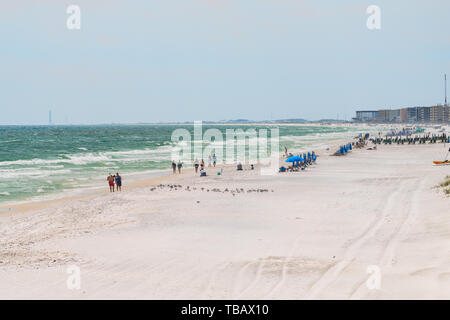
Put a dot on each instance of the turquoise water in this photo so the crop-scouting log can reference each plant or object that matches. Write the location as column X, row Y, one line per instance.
column 38, row 161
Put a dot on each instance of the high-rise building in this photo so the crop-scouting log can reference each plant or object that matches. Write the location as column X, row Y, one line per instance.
column 412, row 114
column 384, row 115
column 394, row 115
column 408, row 114
column 366, row 116
column 50, row 117
column 423, row 114
column 404, row 115
column 439, row 113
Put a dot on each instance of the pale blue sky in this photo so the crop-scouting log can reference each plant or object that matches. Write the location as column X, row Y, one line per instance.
column 183, row 60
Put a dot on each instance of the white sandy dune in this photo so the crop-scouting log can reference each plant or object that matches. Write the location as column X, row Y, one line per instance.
column 307, row 235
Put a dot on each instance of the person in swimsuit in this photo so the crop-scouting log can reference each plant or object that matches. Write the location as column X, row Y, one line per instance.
column 110, row 180
column 196, row 165
column 118, row 182
column 174, row 167
column 180, row 165
column 214, row 159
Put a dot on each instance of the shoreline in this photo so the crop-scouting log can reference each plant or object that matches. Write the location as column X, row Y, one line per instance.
column 25, row 206
column 16, row 207
column 54, row 185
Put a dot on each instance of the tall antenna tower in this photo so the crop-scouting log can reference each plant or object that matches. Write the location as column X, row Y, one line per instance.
column 445, row 85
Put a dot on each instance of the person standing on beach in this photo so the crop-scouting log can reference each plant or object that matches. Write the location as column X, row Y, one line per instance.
column 110, row 180
column 180, row 165
column 196, row 165
column 118, row 182
column 174, row 167
column 209, row 161
column 214, row 159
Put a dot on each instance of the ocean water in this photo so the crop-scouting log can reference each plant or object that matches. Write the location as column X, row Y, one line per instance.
column 43, row 161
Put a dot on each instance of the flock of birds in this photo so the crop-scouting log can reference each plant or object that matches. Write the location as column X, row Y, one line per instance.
column 232, row 191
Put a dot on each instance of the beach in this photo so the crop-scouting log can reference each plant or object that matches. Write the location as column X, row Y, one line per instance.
column 314, row 234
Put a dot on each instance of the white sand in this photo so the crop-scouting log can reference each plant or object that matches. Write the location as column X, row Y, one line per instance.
column 313, row 237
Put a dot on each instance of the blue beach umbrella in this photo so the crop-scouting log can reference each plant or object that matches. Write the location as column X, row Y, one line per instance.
column 294, row 159
column 291, row 159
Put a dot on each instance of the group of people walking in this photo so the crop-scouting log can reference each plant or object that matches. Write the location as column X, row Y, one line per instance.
column 114, row 182
column 178, row 165
column 212, row 161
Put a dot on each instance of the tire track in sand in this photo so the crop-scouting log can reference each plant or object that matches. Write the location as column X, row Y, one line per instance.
column 283, row 273
column 334, row 271
column 258, row 273
column 411, row 210
column 238, row 293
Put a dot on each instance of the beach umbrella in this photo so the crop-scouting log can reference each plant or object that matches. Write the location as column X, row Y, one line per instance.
column 294, row 159
column 291, row 159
